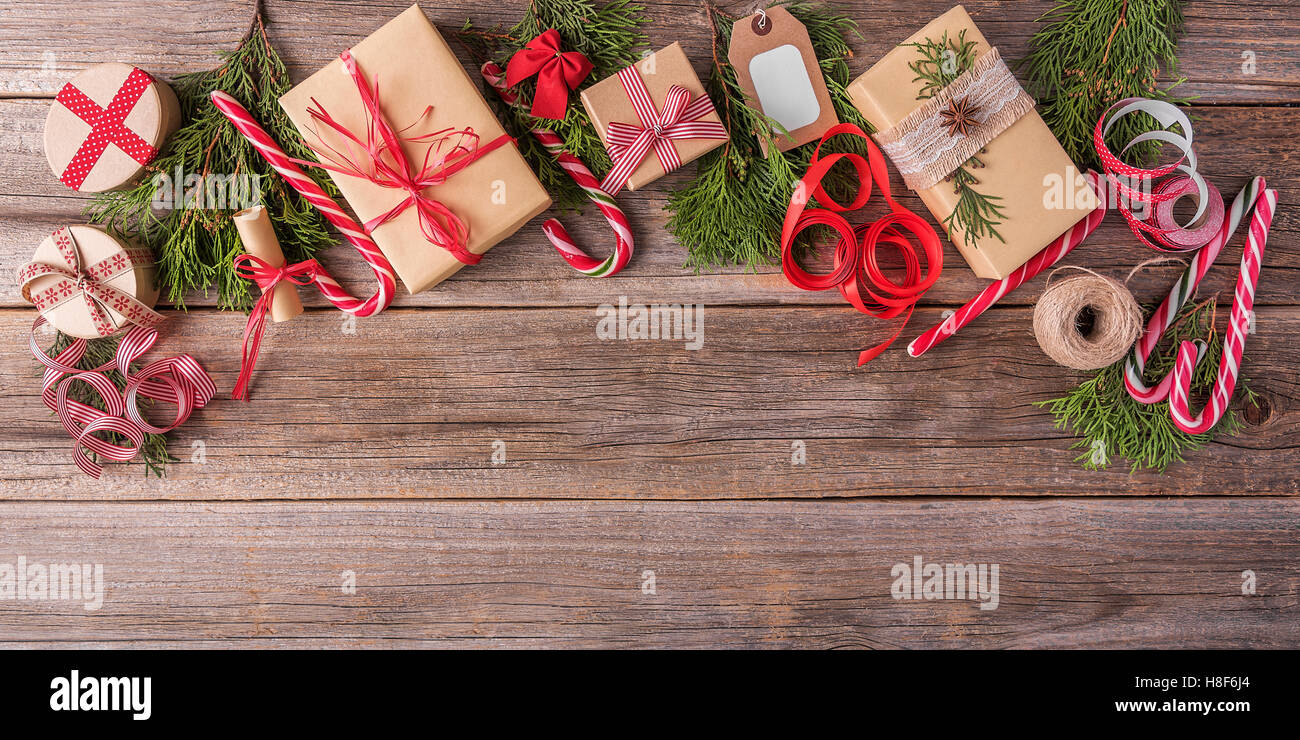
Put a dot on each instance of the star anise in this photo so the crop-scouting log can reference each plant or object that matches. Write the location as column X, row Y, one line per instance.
column 960, row 117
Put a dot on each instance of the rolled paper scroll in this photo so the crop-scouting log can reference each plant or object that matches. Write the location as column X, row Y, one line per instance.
column 258, row 236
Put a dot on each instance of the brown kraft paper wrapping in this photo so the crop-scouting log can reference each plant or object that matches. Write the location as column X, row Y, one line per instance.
column 258, row 235
column 607, row 101
column 414, row 68
column 1022, row 164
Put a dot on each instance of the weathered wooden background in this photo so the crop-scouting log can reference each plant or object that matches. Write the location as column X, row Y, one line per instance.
column 371, row 452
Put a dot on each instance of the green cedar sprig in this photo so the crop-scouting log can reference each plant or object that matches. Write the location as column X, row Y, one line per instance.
column 609, row 36
column 195, row 246
column 1110, row 423
column 730, row 212
column 1092, row 53
column 941, row 62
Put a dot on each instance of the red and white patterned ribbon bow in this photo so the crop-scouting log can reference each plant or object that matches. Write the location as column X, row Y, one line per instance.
column 628, row 144
column 107, row 126
column 89, row 282
column 176, row 380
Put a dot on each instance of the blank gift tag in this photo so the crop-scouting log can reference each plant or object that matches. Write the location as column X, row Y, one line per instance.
column 777, row 68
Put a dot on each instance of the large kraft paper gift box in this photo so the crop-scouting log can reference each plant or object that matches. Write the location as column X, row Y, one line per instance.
column 413, row 68
column 1022, row 163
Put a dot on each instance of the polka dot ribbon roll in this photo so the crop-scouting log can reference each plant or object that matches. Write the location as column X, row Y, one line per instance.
column 856, row 272
column 1155, row 226
column 179, row 381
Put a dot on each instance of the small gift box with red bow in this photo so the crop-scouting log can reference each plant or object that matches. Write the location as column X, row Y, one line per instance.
column 88, row 284
column 653, row 117
column 106, row 125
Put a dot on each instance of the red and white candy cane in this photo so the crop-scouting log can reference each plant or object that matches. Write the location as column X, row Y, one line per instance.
column 1190, row 353
column 1050, row 255
column 555, row 232
column 314, row 194
column 1181, row 292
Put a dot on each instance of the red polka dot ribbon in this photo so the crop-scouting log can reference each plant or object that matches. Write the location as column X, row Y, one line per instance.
column 77, row 280
column 856, row 272
column 180, row 381
column 107, row 126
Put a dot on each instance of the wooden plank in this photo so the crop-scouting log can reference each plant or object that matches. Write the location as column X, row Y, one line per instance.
column 1097, row 574
column 525, row 271
column 41, row 49
column 415, row 403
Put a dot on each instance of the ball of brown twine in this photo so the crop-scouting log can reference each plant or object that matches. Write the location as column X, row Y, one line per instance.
column 1087, row 322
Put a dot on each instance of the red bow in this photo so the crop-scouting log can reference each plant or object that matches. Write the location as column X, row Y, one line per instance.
column 557, row 73
column 628, row 145
column 387, row 166
column 267, row 277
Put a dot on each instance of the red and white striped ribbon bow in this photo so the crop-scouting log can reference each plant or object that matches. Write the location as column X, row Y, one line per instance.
column 176, row 380
column 628, row 145
column 89, row 282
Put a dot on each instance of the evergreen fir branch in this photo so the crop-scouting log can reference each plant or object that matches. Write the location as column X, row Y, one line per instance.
column 1104, row 416
column 609, row 36
column 1092, row 53
column 942, row 61
column 153, row 453
column 194, row 246
column 730, row 212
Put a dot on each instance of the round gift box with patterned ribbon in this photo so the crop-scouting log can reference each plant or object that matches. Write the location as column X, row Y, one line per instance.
column 106, row 125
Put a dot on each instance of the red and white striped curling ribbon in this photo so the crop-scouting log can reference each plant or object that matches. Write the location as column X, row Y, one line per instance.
column 856, row 270
column 314, row 194
column 175, row 380
column 1181, row 292
column 1136, row 184
column 555, row 232
column 629, row 144
column 1050, row 255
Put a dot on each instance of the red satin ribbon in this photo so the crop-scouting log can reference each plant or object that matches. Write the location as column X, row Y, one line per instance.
column 856, row 270
column 388, row 166
column 557, row 73
column 267, row 277
column 176, row 380
column 107, row 126
column 628, row 144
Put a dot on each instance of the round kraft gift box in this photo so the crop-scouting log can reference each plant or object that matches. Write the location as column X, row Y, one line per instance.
column 101, row 256
column 106, row 125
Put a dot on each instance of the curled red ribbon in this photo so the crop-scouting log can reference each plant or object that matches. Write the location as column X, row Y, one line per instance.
column 856, row 270
column 267, row 277
column 177, row 380
column 557, row 73
column 387, row 165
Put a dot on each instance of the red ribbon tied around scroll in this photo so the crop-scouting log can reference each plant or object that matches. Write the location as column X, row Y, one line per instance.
column 107, row 126
column 267, row 277
column 176, row 380
column 386, row 164
column 628, row 144
column 558, row 73
column 856, row 269
column 90, row 283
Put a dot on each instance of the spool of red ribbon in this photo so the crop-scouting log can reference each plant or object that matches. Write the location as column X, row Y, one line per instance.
column 856, row 271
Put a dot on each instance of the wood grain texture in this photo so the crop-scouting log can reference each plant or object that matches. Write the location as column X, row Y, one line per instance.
column 1100, row 573
column 366, row 451
column 412, row 403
